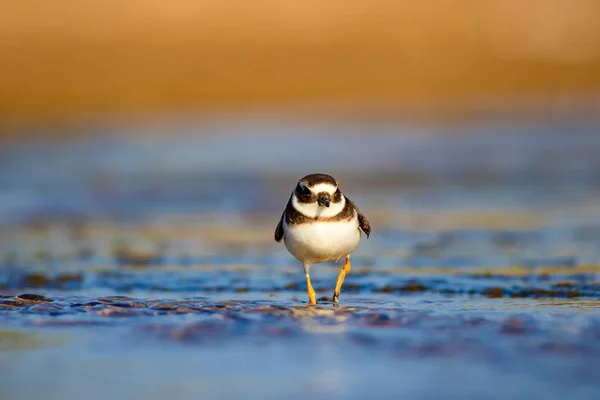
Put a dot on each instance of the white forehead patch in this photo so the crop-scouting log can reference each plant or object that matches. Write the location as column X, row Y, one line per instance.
column 324, row 187
column 313, row 209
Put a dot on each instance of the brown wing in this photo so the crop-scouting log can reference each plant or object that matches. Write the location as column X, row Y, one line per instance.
column 279, row 229
column 363, row 223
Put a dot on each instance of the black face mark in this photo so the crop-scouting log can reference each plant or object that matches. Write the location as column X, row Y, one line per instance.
column 337, row 196
column 303, row 194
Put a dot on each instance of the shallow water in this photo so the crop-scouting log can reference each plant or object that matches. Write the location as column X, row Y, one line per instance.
column 136, row 266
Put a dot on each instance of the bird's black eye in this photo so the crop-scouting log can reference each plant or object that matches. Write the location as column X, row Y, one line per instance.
column 303, row 190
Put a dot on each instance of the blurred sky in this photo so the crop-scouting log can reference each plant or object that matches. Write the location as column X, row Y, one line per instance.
column 68, row 60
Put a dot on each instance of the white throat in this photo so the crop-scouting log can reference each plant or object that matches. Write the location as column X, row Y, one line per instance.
column 313, row 210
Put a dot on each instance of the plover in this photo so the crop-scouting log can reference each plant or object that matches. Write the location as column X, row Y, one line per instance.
column 320, row 224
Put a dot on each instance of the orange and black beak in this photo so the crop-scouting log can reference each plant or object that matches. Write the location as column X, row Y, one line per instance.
column 324, row 199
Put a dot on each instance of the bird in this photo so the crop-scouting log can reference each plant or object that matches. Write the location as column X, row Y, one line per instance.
column 320, row 224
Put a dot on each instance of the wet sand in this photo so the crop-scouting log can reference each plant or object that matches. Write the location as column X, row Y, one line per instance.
column 131, row 266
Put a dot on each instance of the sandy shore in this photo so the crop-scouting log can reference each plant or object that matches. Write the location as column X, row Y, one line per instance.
column 72, row 61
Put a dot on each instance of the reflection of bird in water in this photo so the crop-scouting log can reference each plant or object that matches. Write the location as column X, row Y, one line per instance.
column 319, row 225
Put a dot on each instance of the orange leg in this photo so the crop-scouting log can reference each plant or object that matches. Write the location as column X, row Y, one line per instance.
column 312, row 296
column 340, row 280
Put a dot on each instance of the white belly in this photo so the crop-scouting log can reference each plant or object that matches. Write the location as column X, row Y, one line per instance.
column 322, row 241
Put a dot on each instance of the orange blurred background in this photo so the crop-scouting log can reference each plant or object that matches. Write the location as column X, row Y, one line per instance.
column 68, row 60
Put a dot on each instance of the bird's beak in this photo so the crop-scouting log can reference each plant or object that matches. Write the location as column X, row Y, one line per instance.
column 324, row 199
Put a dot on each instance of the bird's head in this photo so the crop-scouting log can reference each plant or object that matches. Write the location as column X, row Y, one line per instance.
column 318, row 195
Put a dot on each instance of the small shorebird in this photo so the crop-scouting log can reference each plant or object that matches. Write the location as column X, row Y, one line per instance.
column 320, row 224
